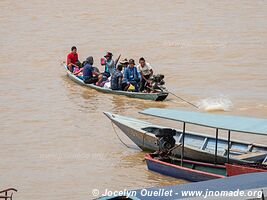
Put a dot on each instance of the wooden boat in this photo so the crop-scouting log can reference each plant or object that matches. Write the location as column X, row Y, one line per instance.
column 237, row 169
column 197, row 146
column 160, row 96
column 190, row 170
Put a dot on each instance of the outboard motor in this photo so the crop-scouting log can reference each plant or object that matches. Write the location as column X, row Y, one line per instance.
column 166, row 140
column 157, row 83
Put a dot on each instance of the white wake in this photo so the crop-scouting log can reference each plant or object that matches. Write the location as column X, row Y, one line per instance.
column 215, row 104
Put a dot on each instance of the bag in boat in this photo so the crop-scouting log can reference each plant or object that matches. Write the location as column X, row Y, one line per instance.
column 131, row 88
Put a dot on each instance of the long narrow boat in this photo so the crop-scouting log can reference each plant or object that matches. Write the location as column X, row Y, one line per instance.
column 237, row 169
column 160, row 96
column 197, row 146
column 190, row 170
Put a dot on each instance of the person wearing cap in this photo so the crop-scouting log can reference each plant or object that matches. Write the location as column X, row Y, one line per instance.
column 131, row 76
column 109, row 65
column 146, row 72
column 72, row 58
column 89, row 74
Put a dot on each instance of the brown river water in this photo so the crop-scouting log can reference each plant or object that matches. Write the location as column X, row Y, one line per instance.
column 55, row 141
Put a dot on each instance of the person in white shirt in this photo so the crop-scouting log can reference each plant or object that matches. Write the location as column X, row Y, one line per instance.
column 146, row 72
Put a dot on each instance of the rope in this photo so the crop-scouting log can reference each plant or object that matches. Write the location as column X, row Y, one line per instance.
column 184, row 100
column 119, row 136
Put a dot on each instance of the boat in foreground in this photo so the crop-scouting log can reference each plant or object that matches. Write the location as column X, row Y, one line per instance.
column 197, row 146
column 189, row 170
column 159, row 96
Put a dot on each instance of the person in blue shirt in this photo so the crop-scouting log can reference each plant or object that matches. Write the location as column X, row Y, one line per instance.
column 116, row 79
column 89, row 74
column 131, row 76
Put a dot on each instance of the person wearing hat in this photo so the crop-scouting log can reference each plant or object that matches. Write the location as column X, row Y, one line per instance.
column 131, row 76
column 109, row 65
column 124, row 63
column 89, row 74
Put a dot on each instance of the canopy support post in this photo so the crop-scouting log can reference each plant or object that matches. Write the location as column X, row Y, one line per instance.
column 216, row 146
column 182, row 154
column 228, row 149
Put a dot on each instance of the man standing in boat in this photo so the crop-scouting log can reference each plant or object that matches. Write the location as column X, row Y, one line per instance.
column 72, row 59
column 146, row 72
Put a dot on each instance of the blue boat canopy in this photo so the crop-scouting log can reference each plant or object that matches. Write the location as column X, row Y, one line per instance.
column 224, row 122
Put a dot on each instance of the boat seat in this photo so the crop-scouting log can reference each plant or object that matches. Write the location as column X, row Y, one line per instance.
column 236, row 151
column 250, row 156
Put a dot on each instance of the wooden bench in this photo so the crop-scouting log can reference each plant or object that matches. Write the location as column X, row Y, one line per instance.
column 251, row 155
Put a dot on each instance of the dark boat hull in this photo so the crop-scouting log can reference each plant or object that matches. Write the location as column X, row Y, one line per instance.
column 184, row 172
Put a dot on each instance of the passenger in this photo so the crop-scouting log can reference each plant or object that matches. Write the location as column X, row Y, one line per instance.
column 124, row 63
column 77, row 71
column 131, row 76
column 89, row 74
column 101, row 82
column 146, row 72
column 72, row 58
column 109, row 65
column 116, row 79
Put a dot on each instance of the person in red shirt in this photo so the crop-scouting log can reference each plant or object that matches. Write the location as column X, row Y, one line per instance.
column 72, row 58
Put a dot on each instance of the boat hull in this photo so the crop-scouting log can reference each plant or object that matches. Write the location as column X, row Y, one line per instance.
column 139, row 95
column 234, row 169
column 185, row 173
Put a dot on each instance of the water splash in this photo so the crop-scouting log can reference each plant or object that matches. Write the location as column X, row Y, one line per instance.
column 215, row 104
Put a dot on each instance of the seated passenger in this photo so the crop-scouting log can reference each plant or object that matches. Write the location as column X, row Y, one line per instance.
column 89, row 74
column 109, row 65
column 101, row 82
column 116, row 79
column 124, row 63
column 77, row 71
column 131, row 76
column 72, row 58
column 146, row 72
